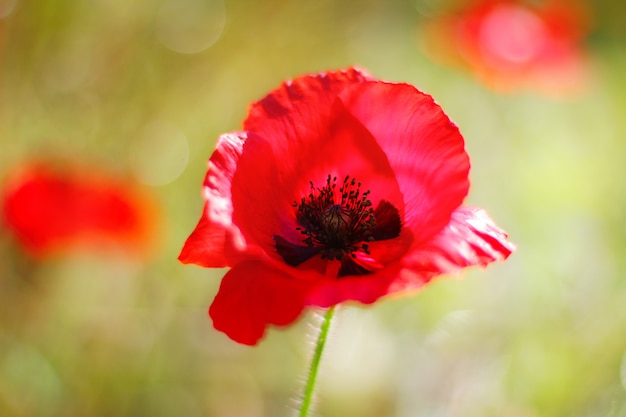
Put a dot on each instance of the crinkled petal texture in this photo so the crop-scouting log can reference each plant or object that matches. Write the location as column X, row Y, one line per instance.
column 394, row 140
column 469, row 239
column 215, row 233
column 424, row 148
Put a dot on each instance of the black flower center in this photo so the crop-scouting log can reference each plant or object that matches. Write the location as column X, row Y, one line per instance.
column 337, row 224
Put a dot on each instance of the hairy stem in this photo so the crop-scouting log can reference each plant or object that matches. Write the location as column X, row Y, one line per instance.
column 309, row 388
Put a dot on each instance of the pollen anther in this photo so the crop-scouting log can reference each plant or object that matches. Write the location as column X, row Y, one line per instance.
column 337, row 223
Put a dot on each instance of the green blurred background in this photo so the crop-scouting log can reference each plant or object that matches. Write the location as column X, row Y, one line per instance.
column 145, row 87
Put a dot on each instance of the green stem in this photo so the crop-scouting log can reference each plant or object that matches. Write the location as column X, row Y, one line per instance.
column 309, row 388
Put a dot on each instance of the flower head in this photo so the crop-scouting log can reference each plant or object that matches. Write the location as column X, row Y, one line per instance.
column 50, row 208
column 512, row 44
column 340, row 188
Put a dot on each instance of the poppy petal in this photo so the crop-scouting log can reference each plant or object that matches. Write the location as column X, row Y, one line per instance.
column 425, row 150
column 470, row 239
column 294, row 254
column 365, row 288
column 217, row 183
column 205, row 245
column 388, row 221
column 300, row 104
column 342, row 146
column 252, row 296
column 350, row 268
column 312, row 134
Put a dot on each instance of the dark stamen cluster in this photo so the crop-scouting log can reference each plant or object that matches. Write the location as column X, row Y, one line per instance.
column 336, row 226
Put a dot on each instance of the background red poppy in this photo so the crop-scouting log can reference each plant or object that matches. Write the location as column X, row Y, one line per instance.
column 53, row 208
column 514, row 45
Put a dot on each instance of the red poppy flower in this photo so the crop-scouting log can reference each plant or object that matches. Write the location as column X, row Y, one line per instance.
column 50, row 209
column 511, row 44
column 340, row 187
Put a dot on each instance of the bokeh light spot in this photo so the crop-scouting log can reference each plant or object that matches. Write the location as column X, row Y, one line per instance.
column 7, row 7
column 512, row 34
column 159, row 154
column 190, row 26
